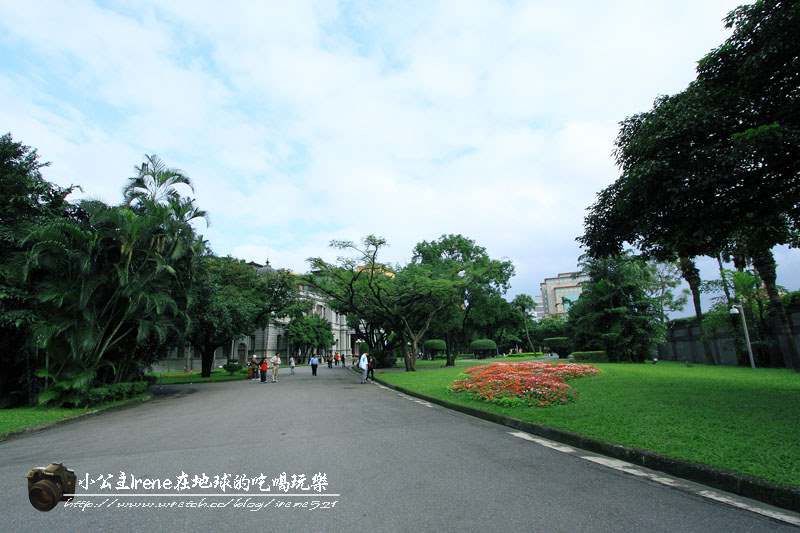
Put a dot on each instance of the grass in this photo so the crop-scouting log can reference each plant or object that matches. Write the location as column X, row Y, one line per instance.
column 217, row 374
column 729, row 417
column 25, row 417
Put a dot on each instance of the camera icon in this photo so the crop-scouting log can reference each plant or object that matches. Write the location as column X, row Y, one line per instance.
column 47, row 486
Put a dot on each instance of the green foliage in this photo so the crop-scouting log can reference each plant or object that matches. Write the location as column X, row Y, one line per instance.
column 231, row 367
column 308, row 334
column 26, row 201
column 117, row 391
column 483, row 347
column 559, row 345
column 435, row 345
column 715, row 167
column 614, row 312
column 591, row 357
column 229, row 299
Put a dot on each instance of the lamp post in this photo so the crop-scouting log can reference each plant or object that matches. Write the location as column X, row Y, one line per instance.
column 737, row 309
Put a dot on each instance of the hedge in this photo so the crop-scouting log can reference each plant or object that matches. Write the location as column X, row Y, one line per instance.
column 591, row 357
column 118, row 391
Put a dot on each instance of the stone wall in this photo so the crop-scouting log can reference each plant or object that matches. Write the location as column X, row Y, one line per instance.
column 685, row 344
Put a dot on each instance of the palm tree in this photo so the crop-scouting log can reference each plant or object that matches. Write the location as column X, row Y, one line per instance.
column 154, row 182
column 525, row 303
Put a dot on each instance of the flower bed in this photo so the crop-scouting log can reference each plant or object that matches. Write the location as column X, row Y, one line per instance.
column 518, row 384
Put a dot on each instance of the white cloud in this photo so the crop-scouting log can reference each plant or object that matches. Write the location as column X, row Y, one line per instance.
column 302, row 122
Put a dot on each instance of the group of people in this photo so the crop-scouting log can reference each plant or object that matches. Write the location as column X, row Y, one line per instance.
column 259, row 369
column 366, row 364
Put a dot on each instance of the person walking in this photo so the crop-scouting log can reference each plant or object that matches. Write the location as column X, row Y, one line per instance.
column 314, row 362
column 276, row 363
column 336, row 359
column 330, row 361
column 371, row 363
column 291, row 365
column 264, row 370
column 362, row 364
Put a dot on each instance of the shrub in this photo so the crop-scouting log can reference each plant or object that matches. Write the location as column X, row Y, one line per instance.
column 435, row 344
column 481, row 346
column 111, row 393
column 592, row 357
column 230, row 367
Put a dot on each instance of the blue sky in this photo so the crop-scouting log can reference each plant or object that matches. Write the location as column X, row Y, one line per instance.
column 302, row 122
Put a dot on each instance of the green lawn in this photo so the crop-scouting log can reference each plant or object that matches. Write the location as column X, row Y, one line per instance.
column 729, row 417
column 24, row 417
column 217, row 374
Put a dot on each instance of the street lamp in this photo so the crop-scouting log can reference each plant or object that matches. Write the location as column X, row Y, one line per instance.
column 737, row 309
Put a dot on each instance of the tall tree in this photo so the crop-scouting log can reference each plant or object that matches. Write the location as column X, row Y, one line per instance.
column 309, row 333
column 526, row 305
column 614, row 311
column 480, row 278
column 403, row 300
column 229, row 300
column 26, row 201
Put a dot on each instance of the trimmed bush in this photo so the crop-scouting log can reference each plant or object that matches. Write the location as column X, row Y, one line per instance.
column 112, row 393
column 435, row 344
column 481, row 346
column 591, row 357
column 230, row 367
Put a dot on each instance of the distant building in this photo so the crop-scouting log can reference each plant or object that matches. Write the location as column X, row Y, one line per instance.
column 539, row 314
column 267, row 341
column 559, row 293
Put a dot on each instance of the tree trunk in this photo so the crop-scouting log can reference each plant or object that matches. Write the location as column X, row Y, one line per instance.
column 692, row 277
column 527, row 333
column 764, row 262
column 207, row 356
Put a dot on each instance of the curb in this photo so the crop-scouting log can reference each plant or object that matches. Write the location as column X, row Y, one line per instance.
column 63, row 421
column 777, row 494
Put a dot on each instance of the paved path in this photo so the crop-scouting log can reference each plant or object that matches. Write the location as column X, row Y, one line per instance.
column 392, row 463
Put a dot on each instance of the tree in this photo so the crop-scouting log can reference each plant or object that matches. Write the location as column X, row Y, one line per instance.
column 98, row 283
column 480, row 279
column 403, row 300
column 309, row 333
column 666, row 277
column 229, row 300
column 614, row 312
column 26, row 201
column 154, row 183
column 526, row 305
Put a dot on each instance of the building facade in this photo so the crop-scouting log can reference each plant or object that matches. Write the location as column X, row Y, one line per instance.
column 266, row 342
column 560, row 292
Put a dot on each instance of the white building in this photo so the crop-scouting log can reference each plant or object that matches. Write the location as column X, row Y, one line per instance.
column 265, row 342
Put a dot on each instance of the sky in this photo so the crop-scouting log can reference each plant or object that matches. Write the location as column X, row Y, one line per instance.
column 303, row 122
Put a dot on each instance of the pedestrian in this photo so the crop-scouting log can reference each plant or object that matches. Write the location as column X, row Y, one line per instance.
column 254, row 368
column 314, row 362
column 276, row 363
column 330, row 361
column 264, row 370
column 362, row 364
column 291, row 365
column 336, row 359
column 371, row 363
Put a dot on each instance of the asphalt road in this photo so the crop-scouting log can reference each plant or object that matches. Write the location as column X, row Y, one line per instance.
column 382, row 461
